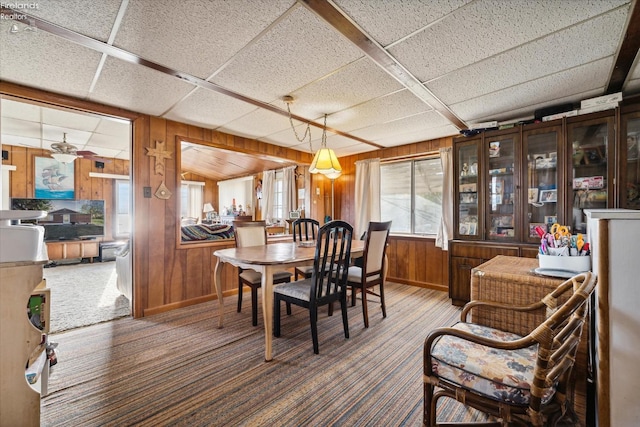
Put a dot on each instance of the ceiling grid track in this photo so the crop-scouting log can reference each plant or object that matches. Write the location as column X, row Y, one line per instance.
column 132, row 58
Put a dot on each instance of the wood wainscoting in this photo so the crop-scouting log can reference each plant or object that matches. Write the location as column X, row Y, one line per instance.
column 417, row 261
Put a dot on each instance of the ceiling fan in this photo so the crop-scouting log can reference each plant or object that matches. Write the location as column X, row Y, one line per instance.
column 67, row 153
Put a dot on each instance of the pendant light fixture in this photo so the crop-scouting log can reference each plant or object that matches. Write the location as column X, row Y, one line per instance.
column 325, row 160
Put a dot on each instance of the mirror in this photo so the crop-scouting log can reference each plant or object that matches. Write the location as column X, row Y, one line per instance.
column 214, row 177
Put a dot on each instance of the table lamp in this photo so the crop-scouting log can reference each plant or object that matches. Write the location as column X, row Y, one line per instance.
column 208, row 209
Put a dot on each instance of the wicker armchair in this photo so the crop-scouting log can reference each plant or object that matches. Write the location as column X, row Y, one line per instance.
column 516, row 379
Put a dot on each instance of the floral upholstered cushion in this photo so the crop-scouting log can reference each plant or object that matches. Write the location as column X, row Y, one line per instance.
column 503, row 375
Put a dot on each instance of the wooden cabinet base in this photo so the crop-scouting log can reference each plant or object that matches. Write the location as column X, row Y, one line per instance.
column 73, row 249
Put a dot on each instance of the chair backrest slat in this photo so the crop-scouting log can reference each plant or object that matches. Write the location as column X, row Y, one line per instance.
column 331, row 263
column 305, row 229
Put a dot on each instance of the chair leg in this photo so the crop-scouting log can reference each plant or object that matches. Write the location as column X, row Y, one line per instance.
column 254, row 306
column 353, row 295
column 276, row 316
column 239, row 295
column 313, row 315
column 426, row 404
column 365, row 313
column 384, row 308
column 288, row 309
column 345, row 321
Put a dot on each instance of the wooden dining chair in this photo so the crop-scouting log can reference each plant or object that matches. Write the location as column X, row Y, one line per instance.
column 516, row 379
column 327, row 283
column 364, row 278
column 254, row 233
column 304, row 230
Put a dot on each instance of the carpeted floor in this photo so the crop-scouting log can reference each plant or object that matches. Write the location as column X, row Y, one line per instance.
column 178, row 369
column 84, row 294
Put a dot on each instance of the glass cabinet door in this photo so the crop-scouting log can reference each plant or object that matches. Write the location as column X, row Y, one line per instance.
column 468, row 189
column 589, row 143
column 501, row 184
column 630, row 162
column 541, row 175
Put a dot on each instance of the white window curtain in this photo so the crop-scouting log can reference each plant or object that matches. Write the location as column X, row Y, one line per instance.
column 289, row 196
column 268, row 179
column 367, row 198
column 195, row 201
column 445, row 231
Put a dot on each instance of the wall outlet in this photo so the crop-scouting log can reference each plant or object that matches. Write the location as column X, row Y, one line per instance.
column 147, row 192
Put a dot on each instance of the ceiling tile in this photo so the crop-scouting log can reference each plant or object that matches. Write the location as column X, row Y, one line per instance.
column 22, row 141
column 257, row 124
column 93, row 19
column 419, row 135
column 356, row 83
column 17, row 127
column 487, row 28
column 195, row 36
column 109, row 142
column 577, row 45
column 298, row 50
column 208, row 109
column 26, row 58
column 408, row 125
column 20, row 110
column 561, row 85
column 380, row 110
column 115, row 127
column 51, row 134
column 388, row 24
column 62, row 118
column 129, row 86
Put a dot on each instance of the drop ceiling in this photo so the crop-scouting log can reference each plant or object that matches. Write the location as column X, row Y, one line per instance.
column 386, row 72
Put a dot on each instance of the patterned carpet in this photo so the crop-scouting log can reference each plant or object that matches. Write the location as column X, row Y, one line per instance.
column 84, row 294
column 177, row 369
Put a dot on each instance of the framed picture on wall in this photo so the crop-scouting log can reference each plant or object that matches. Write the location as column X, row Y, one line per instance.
column 53, row 180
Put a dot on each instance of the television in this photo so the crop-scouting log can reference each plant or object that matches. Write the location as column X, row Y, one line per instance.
column 66, row 219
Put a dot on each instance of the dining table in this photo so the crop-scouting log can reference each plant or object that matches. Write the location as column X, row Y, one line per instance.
column 267, row 259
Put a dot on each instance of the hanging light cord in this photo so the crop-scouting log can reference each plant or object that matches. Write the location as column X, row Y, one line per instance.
column 307, row 131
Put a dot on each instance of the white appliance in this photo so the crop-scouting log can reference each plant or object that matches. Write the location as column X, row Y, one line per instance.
column 615, row 249
column 21, row 242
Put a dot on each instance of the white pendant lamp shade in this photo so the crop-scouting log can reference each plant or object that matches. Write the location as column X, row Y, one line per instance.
column 325, row 162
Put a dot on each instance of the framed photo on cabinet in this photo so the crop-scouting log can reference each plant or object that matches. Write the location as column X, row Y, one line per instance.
column 548, row 196
column 533, row 195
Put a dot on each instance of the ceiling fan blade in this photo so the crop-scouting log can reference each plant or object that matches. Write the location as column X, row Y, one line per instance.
column 92, row 156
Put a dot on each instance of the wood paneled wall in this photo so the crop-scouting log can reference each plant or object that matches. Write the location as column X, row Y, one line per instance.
column 86, row 187
column 168, row 275
column 412, row 260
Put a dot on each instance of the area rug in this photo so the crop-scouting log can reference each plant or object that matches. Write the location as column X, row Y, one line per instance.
column 178, row 369
column 84, row 294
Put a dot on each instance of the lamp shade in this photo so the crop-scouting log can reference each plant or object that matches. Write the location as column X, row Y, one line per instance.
column 333, row 175
column 207, row 208
column 64, row 157
column 325, row 161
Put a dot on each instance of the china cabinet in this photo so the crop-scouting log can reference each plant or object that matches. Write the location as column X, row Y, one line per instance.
column 508, row 182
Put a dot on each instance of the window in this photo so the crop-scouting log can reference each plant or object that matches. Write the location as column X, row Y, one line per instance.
column 191, row 199
column 278, row 196
column 123, row 209
column 411, row 195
